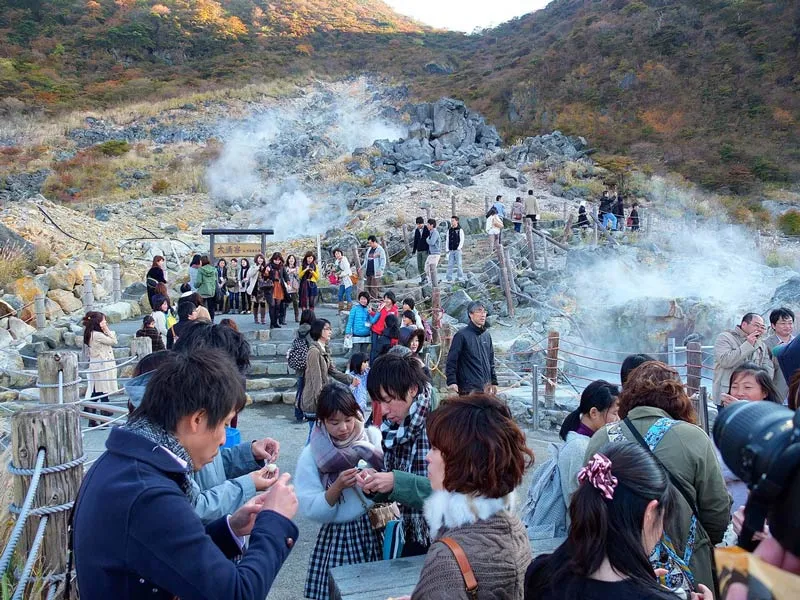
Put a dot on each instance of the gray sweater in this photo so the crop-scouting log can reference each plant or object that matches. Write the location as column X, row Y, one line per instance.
column 433, row 242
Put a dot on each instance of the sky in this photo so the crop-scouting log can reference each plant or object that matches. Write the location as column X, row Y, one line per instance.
column 463, row 15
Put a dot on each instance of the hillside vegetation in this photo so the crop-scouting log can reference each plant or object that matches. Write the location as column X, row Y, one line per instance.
column 710, row 89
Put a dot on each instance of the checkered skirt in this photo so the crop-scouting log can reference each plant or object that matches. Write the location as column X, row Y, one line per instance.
column 339, row 544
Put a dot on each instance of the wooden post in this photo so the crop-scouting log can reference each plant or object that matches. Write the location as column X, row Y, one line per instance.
column 56, row 428
column 357, row 263
column 88, row 293
column 117, row 282
column 596, row 226
column 694, row 362
column 405, row 239
column 436, row 309
column 40, row 311
column 433, row 276
column 671, row 352
column 510, row 270
column 564, row 211
column 485, row 204
column 551, row 370
column 501, row 259
column 264, row 244
column 141, row 347
column 211, row 238
column 535, row 396
column 49, row 366
column 453, row 212
column 531, row 245
column 544, row 254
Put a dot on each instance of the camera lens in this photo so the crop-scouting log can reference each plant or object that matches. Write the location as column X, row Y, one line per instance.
column 750, row 435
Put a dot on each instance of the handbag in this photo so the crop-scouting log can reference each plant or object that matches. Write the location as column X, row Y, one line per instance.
column 354, row 279
column 470, row 583
column 333, row 279
column 348, row 342
column 380, row 514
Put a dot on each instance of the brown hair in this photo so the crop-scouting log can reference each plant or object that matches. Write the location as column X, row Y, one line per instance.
column 157, row 259
column 655, row 384
column 483, row 448
column 162, row 289
column 229, row 323
column 794, row 390
column 91, row 322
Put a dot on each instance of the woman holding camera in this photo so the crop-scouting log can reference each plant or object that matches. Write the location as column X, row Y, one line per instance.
column 658, row 415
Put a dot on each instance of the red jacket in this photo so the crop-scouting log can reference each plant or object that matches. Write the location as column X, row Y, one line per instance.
column 378, row 319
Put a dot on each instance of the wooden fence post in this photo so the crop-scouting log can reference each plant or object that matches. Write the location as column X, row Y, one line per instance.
column 141, row 347
column 510, row 270
column 551, row 370
column 596, row 226
column 504, row 278
column 56, row 428
column 357, row 263
column 55, row 366
column 88, row 293
column 694, row 364
column 531, row 244
column 40, row 311
column 427, row 213
column 436, row 316
column 116, row 283
column 453, row 212
column 564, row 212
column 535, row 396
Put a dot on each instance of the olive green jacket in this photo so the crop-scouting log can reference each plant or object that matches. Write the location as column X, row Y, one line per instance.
column 688, row 454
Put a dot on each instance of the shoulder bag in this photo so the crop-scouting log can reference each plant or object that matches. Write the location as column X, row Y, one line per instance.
column 470, row 583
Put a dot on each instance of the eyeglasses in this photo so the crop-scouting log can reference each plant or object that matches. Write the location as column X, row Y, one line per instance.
column 327, row 328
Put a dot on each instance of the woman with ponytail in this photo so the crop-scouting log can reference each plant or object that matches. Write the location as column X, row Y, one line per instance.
column 618, row 514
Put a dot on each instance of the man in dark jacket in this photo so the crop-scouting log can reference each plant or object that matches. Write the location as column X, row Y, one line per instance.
column 136, row 534
column 470, row 362
column 420, row 247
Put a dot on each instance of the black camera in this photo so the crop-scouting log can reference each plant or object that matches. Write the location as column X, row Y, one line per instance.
column 760, row 443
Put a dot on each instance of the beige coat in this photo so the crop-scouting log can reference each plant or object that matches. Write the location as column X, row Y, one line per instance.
column 731, row 350
column 102, row 371
column 531, row 205
column 493, row 539
column 319, row 370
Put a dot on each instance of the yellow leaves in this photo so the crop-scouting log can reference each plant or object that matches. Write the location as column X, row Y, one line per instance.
column 159, row 10
column 663, row 121
column 782, row 116
column 235, row 27
column 305, row 49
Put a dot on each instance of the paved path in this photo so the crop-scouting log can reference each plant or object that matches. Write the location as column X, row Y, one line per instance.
column 277, row 421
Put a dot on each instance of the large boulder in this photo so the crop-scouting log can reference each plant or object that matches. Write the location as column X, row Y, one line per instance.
column 134, row 291
column 19, row 329
column 51, row 336
column 12, row 370
column 6, row 309
column 62, row 279
column 80, row 269
column 52, row 311
column 119, row 311
column 456, row 305
column 5, row 338
column 66, row 300
column 28, row 288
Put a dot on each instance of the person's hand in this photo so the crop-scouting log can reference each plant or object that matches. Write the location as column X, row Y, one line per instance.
column 363, row 476
column 280, row 497
column 346, row 479
column 356, row 381
column 244, row 518
column 453, row 387
column 753, row 337
column 378, row 482
column 727, row 399
column 738, row 521
column 772, row 553
column 266, row 449
column 491, row 389
column 702, row 593
column 263, row 479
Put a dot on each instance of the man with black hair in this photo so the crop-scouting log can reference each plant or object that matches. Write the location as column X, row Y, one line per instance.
column 781, row 322
column 470, row 361
column 455, row 244
column 434, row 248
column 135, row 532
column 375, row 261
column 732, row 348
column 420, row 246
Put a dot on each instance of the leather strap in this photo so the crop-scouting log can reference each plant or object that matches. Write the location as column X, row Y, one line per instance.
column 463, row 564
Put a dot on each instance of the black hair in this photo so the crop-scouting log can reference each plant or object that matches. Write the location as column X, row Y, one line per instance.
column 204, row 260
column 748, row 318
column 410, row 302
column 185, row 287
column 409, row 314
column 456, row 218
column 363, row 294
column 780, row 313
column 609, row 528
column 407, row 334
column 186, row 383
column 150, row 362
column 496, row 198
column 390, row 295
column 307, row 316
column 630, row 363
column 91, row 323
column 147, row 320
column 420, row 220
column 530, row 192
column 185, row 309
column 317, row 327
column 762, row 377
column 598, row 394
column 195, row 260
column 492, row 211
column 336, row 397
column 339, row 250
column 372, row 238
column 395, row 375
column 432, row 222
column 208, row 335
column 392, row 329
column 358, row 359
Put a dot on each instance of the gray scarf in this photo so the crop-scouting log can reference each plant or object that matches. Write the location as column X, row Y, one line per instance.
column 161, row 437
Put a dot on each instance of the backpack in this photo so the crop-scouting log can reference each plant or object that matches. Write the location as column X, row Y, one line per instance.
column 298, row 354
column 545, row 511
column 517, row 211
column 665, row 555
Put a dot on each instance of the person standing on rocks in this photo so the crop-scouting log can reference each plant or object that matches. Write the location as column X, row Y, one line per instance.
column 309, row 276
column 494, row 227
column 532, row 209
column 781, row 321
column 455, row 244
column 207, row 285
column 633, row 217
column 99, row 342
column 376, row 263
column 420, row 247
column 434, row 250
column 732, row 348
column 517, row 214
column 470, row 362
column 157, row 274
column 359, row 324
column 343, row 273
column 292, row 278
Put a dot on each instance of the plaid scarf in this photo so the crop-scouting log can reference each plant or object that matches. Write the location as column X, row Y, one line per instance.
column 161, row 437
column 332, row 456
column 405, row 447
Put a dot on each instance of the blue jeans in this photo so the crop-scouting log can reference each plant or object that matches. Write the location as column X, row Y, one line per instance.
column 454, row 259
column 312, row 420
column 345, row 293
column 609, row 218
column 233, row 300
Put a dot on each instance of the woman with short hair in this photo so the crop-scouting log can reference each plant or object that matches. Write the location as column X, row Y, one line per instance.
column 477, row 459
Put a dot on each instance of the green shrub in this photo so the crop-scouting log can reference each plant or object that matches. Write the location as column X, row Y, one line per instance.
column 789, row 222
column 160, row 186
column 114, row 147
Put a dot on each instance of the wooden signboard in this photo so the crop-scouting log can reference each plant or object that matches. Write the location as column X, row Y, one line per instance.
column 236, row 250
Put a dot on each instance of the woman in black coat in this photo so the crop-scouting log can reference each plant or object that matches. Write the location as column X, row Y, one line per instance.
column 157, row 274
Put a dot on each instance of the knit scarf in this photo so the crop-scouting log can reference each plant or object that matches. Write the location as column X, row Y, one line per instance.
column 405, row 447
column 333, row 456
column 161, row 437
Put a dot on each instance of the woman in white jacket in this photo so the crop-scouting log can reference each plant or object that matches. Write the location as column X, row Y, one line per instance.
column 494, row 227
column 325, row 481
column 343, row 273
column 99, row 342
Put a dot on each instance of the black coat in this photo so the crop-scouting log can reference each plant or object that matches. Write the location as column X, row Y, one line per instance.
column 420, row 240
column 470, row 362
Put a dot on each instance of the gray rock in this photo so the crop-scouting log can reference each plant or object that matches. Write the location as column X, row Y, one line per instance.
column 20, row 186
column 6, row 338
column 51, row 336
column 134, row 291
column 19, row 329
column 456, row 305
